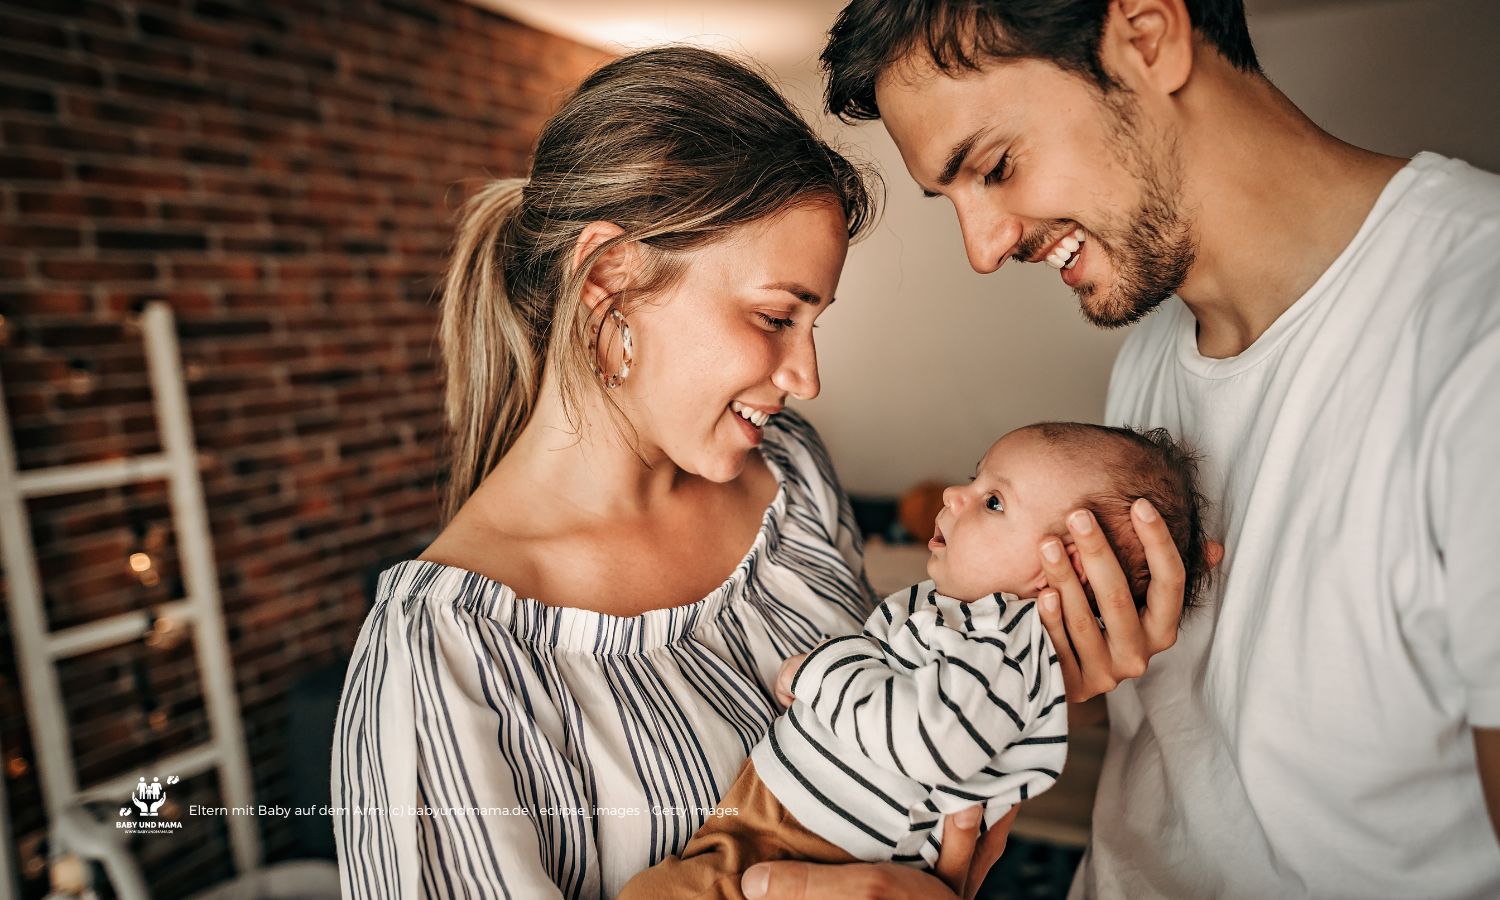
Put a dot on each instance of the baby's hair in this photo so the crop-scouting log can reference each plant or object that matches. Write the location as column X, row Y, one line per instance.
column 1135, row 464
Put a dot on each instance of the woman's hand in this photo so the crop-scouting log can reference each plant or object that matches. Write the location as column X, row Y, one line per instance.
column 1095, row 661
column 960, row 870
column 784, row 678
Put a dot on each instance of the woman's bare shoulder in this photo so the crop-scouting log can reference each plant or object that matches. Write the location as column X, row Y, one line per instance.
column 484, row 548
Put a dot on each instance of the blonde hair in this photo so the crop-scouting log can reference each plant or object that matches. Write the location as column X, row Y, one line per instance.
column 676, row 146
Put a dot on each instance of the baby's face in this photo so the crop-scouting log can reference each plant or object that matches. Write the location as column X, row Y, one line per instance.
column 989, row 533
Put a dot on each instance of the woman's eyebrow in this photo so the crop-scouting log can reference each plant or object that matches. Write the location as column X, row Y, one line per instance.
column 806, row 295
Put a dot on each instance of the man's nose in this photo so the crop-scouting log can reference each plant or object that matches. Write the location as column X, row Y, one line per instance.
column 990, row 235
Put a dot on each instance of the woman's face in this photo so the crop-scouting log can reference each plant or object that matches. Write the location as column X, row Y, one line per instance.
column 735, row 333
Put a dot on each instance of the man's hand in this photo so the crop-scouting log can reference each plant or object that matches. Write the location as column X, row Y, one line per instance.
column 784, row 678
column 962, row 864
column 1094, row 661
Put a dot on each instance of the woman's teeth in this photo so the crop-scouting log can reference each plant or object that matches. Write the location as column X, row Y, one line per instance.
column 1065, row 254
column 753, row 416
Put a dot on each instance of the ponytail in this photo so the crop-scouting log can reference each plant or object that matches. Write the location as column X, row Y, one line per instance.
column 492, row 357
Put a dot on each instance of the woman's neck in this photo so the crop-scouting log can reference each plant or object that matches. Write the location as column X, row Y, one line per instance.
column 587, row 465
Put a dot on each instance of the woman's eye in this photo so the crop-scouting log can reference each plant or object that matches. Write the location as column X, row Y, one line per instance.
column 999, row 173
column 992, row 502
column 774, row 323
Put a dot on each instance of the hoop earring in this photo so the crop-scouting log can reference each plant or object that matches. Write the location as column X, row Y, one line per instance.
column 626, row 345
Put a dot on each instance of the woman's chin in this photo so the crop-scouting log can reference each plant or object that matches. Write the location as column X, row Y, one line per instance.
column 721, row 468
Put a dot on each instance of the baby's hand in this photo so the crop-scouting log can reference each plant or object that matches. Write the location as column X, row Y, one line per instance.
column 784, row 678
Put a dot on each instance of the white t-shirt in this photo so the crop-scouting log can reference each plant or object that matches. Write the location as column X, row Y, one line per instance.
column 1310, row 733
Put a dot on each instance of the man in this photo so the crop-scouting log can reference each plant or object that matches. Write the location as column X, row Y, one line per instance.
column 1326, row 331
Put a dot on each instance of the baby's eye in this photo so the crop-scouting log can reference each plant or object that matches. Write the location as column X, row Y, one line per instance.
column 993, row 503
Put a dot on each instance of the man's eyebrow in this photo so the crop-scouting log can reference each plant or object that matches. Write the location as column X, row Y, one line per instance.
column 806, row 295
column 956, row 157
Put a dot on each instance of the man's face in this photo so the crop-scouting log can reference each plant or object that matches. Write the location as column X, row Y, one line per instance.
column 1032, row 158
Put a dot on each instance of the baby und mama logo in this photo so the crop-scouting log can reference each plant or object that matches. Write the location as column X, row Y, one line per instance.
column 144, row 815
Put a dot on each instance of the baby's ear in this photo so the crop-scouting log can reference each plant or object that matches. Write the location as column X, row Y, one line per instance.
column 1077, row 559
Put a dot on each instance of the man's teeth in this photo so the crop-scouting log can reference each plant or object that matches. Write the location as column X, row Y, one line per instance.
column 753, row 416
column 1065, row 254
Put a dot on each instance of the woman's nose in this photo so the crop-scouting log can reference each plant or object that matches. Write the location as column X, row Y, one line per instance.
column 798, row 373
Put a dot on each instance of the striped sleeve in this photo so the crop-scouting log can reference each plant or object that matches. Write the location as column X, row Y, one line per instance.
column 409, row 821
column 927, row 691
column 374, row 764
column 807, row 453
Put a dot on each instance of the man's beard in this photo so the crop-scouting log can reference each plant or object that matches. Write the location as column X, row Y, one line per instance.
column 1153, row 248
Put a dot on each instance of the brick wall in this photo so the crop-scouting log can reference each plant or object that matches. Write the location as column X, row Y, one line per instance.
column 284, row 174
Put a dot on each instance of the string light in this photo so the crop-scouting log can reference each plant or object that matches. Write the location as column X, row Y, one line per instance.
column 80, row 378
column 164, row 634
column 140, row 562
column 69, row 874
column 16, row 765
column 33, row 855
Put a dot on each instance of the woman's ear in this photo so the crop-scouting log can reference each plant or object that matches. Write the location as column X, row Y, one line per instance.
column 610, row 273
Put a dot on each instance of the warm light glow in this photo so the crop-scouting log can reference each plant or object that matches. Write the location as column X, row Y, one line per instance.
column 80, row 382
column 140, row 562
column 165, row 633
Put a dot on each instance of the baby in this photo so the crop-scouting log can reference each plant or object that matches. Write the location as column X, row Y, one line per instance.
column 951, row 695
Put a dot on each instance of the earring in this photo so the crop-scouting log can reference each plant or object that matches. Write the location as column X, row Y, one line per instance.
column 626, row 345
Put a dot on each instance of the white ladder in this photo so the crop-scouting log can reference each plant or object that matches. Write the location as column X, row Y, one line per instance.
column 38, row 649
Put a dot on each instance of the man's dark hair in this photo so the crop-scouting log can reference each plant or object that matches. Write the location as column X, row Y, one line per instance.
column 1135, row 464
column 872, row 35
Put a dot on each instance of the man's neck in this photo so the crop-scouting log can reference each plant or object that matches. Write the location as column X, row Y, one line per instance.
column 1276, row 200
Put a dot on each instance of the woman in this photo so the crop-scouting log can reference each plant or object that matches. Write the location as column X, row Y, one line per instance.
column 555, row 695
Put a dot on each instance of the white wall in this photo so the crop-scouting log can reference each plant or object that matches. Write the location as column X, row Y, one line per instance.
column 1397, row 77
column 924, row 363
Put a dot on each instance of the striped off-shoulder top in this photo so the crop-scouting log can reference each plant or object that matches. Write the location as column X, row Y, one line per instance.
column 490, row 746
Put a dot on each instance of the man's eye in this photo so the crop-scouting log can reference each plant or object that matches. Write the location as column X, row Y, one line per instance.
column 998, row 173
column 992, row 502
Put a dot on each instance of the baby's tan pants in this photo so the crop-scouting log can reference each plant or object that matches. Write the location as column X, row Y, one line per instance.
column 719, row 853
